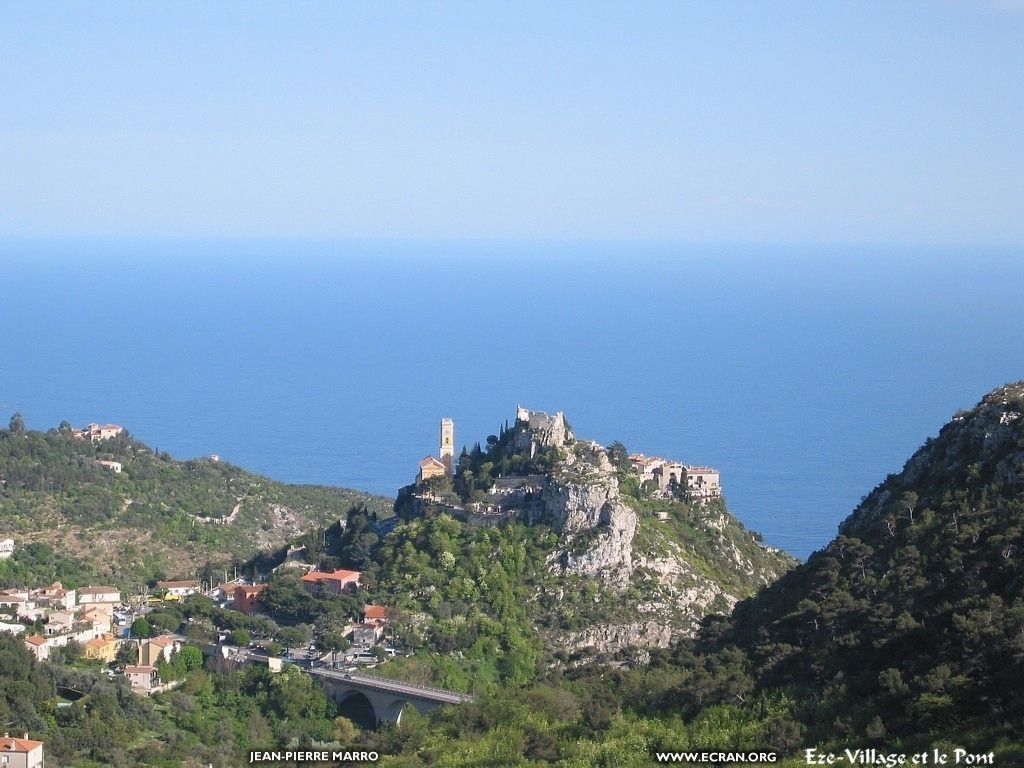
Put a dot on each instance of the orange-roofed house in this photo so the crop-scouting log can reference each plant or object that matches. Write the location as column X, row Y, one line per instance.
column 20, row 753
column 102, row 649
column 375, row 614
column 246, row 598
column 39, row 646
column 336, row 583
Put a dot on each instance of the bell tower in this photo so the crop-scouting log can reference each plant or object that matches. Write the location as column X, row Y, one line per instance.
column 447, row 451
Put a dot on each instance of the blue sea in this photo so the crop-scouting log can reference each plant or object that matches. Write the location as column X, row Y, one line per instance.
column 805, row 374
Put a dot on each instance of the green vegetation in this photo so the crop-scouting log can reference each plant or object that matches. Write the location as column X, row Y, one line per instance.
column 158, row 518
column 477, row 468
column 904, row 633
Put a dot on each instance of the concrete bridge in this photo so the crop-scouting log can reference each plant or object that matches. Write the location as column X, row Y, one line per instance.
column 387, row 698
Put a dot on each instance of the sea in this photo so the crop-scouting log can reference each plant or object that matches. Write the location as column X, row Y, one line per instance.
column 804, row 373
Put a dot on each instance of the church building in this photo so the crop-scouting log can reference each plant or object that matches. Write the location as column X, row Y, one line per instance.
column 431, row 466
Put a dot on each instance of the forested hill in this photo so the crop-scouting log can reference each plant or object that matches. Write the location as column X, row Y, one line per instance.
column 76, row 520
column 910, row 624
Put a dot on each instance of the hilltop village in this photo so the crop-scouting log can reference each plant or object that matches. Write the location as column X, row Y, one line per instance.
column 505, row 480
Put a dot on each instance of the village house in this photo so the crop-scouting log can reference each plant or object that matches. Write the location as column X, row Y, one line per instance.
column 224, row 593
column 102, row 649
column 246, row 597
column 12, row 629
column 100, row 617
column 336, row 583
column 96, row 432
column 113, row 466
column 703, row 482
column 696, row 482
column 55, row 596
column 6, row 548
column 367, row 634
column 157, row 649
column 91, row 595
column 20, row 753
column 375, row 614
column 143, row 678
column 18, row 602
column 178, row 588
column 39, row 646
column 59, row 623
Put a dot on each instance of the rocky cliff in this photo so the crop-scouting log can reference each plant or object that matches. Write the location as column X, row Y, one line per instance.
column 661, row 565
column 581, row 501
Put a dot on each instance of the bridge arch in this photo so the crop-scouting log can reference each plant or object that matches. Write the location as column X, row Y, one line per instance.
column 393, row 711
column 357, row 707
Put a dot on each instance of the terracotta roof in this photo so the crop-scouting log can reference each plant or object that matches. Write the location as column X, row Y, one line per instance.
column 339, row 575
column 139, row 670
column 163, row 641
column 97, row 590
column 36, row 640
column 375, row 612
column 7, row 744
column 250, row 589
column 430, row 461
column 100, row 642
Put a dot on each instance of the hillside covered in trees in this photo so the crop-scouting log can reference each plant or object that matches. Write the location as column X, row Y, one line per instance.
column 75, row 519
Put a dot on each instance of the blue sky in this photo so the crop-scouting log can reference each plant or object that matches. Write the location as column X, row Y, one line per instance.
column 875, row 122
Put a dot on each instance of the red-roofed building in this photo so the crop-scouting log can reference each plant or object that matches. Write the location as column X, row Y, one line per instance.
column 39, row 646
column 375, row 614
column 335, row 583
column 20, row 753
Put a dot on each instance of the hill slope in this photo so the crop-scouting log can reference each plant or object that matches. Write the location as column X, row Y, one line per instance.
column 76, row 519
column 910, row 624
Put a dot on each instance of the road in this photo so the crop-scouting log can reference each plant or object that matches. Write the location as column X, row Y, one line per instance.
column 393, row 686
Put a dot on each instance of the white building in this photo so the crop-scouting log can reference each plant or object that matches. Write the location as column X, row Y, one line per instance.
column 6, row 548
column 179, row 588
column 88, row 595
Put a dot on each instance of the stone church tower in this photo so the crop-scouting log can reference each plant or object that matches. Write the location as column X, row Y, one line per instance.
column 448, row 445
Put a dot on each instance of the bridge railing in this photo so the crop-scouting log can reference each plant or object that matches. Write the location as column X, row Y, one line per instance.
column 392, row 681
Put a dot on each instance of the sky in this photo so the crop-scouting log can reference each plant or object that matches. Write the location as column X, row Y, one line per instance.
column 719, row 121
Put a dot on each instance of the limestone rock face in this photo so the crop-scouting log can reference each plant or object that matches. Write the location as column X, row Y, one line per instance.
column 610, row 638
column 553, row 432
column 581, row 502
